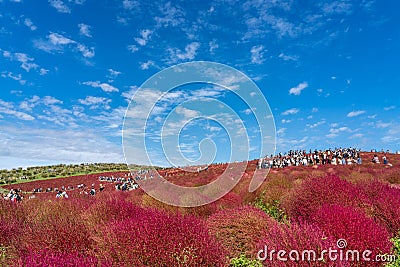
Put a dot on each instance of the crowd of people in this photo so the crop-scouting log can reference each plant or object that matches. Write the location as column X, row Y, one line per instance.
column 337, row 156
column 128, row 181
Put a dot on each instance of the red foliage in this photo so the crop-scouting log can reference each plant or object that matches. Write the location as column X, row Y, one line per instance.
column 47, row 258
column 296, row 237
column 239, row 229
column 56, row 226
column 155, row 238
column 313, row 193
column 386, row 204
column 360, row 232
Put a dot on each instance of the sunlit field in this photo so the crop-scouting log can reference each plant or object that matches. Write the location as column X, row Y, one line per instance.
column 296, row 208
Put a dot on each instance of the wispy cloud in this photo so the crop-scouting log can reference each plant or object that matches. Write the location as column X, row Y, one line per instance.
column 187, row 113
column 129, row 5
column 60, row 6
column 288, row 57
column 15, row 77
column 144, row 37
column 334, row 132
column 190, row 52
column 27, row 63
column 28, row 23
column 291, row 111
column 315, row 125
column 171, row 16
column 57, row 42
column 103, row 86
column 337, row 7
column 257, row 54
column 146, row 65
column 84, row 30
column 9, row 109
column 95, row 102
column 356, row 113
column 113, row 73
column 298, row 89
column 389, row 108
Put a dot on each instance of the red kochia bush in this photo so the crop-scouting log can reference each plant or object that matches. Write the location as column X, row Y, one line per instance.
column 306, row 199
column 386, row 204
column 156, row 238
column 360, row 232
column 239, row 229
column 296, row 237
column 47, row 258
column 54, row 225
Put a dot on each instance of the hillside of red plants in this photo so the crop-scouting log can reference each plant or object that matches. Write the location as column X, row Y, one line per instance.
column 295, row 209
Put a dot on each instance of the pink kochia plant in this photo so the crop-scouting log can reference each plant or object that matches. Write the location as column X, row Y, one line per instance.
column 386, row 204
column 47, row 258
column 306, row 199
column 239, row 229
column 297, row 241
column 155, row 238
column 360, row 232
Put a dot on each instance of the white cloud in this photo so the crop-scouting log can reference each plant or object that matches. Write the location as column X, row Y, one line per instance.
column 334, row 132
column 49, row 100
column 46, row 146
column 172, row 16
column 58, row 39
column 86, row 52
column 129, row 94
column 281, row 131
column 127, row 4
column 43, row 71
column 389, row 108
column 60, row 6
column 356, row 113
column 213, row 45
column 187, row 113
column 189, row 53
column 247, row 111
column 8, row 108
column 27, row 62
column 337, row 7
column 95, row 102
column 113, row 73
column 297, row 90
column 314, row 110
column 84, row 30
column 57, row 42
column 257, row 54
column 15, row 77
column 356, row 136
column 147, row 65
column 380, row 124
column 103, row 86
column 28, row 23
column 315, row 125
column 288, row 57
column 132, row 48
column 144, row 37
column 291, row 111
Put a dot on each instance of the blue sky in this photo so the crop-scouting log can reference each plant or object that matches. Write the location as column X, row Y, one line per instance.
column 68, row 68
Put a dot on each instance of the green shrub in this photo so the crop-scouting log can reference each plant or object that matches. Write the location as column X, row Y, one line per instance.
column 242, row 261
column 272, row 209
column 396, row 250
